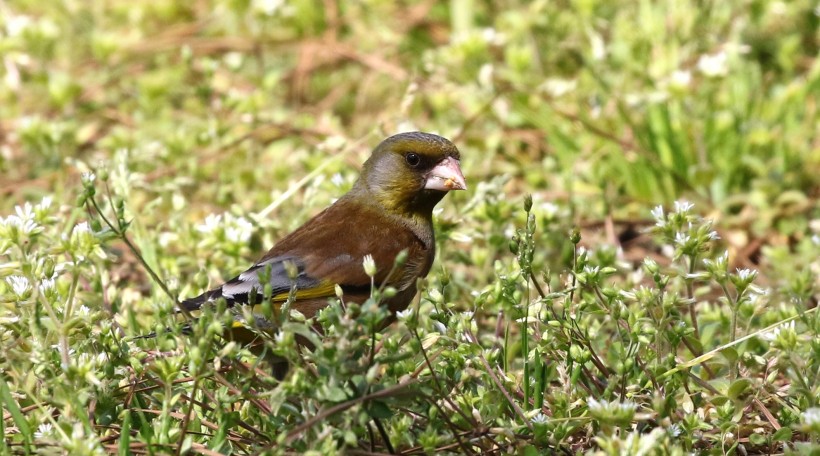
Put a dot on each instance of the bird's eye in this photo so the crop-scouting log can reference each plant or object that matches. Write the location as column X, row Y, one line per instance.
column 412, row 159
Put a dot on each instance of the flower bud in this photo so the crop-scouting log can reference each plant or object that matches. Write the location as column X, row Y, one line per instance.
column 528, row 203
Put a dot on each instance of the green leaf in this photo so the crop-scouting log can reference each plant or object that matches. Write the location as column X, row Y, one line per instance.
column 378, row 409
column 696, row 344
column 333, row 393
column 125, row 436
column 738, row 388
column 757, row 439
column 16, row 415
column 783, row 434
column 731, row 355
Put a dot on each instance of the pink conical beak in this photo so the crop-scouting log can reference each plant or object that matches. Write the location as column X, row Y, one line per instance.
column 446, row 176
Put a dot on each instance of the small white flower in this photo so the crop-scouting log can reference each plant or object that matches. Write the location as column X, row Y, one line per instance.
column 746, row 274
column 440, row 327
column 22, row 219
column 166, row 238
column 211, row 224
column 683, row 206
column 549, row 208
column 614, row 406
column 44, row 430
column 404, row 314
column 811, row 416
column 557, row 88
column 540, row 418
column 778, row 8
column 19, row 284
column 713, row 65
column 369, row 265
column 658, row 215
column 44, row 204
column 485, row 75
column 24, row 225
column 702, row 275
column 591, row 269
column 628, row 295
column 458, row 236
column 501, row 108
column 240, row 230
column 86, row 359
column 333, row 142
column 101, row 358
column 713, row 236
column 598, row 46
column 46, row 285
column 772, row 335
column 675, row 430
column 279, row 337
column 81, row 228
column 268, row 7
column 477, row 415
column 680, row 79
column 755, row 297
column 435, row 296
column 491, row 36
column 16, row 24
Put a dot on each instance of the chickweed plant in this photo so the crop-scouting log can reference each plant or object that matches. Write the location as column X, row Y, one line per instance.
column 678, row 353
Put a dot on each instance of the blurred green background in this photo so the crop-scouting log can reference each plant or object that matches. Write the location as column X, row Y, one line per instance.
column 611, row 106
column 602, row 108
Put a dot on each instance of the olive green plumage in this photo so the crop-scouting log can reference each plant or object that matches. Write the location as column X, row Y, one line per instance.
column 388, row 210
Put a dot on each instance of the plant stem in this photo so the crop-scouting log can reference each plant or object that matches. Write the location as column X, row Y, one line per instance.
column 690, row 292
column 525, row 348
column 120, row 232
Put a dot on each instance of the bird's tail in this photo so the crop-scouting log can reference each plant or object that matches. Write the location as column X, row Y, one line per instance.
column 196, row 303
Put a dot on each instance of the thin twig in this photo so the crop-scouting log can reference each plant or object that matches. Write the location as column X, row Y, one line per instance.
column 450, row 423
column 187, row 418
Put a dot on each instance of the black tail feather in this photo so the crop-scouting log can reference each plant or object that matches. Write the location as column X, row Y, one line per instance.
column 195, row 303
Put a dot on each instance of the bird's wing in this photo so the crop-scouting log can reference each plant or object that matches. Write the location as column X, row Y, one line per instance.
column 326, row 251
column 334, row 244
column 282, row 273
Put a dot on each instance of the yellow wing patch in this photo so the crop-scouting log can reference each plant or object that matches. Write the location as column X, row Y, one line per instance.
column 325, row 289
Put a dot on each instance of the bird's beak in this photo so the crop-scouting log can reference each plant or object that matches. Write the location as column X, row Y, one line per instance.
column 446, row 176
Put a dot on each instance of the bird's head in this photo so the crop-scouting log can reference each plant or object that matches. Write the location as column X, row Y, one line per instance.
column 409, row 173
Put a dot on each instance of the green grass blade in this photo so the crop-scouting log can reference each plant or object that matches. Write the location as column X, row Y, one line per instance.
column 16, row 415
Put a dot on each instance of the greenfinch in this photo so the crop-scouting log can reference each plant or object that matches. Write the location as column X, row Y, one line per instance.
column 387, row 211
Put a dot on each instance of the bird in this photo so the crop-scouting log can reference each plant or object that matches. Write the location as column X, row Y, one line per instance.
column 387, row 212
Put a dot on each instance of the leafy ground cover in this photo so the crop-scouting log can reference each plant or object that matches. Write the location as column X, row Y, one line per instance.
column 634, row 269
